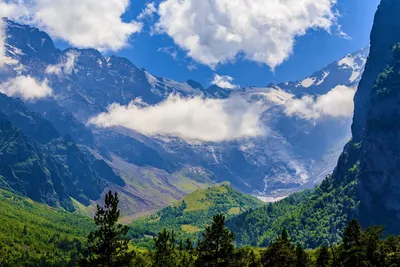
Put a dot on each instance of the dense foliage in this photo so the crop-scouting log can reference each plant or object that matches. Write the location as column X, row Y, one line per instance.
column 190, row 216
column 108, row 246
column 32, row 234
column 313, row 217
column 36, row 235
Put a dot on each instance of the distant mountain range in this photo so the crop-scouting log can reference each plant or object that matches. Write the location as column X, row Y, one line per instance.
column 153, row 171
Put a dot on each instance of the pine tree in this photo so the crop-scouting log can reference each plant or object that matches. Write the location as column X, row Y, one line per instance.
column 352, row 254
column 281, row 253
column 165, row 254
column 107, row 246
column 301, row 257
column 323, row 257
column 216, row 248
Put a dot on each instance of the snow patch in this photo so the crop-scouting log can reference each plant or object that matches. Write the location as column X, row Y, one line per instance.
column 326, row 74
column 354, row 76
column 151, row 79
column 308, row 82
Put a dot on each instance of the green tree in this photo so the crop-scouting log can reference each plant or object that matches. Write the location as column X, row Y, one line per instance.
column 352, row 253
column 165, row 253
column 281, row 253
column 107, row 246
column 216, row 248
column 323, row 257
column 301, row 257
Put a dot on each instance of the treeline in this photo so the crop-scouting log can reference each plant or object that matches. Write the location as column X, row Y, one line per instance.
column 109, row 246
column 359, row 248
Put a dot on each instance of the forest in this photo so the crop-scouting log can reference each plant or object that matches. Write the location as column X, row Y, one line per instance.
column 107, row 244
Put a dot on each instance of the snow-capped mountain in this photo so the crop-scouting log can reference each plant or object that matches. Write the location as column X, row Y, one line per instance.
column 301, row 147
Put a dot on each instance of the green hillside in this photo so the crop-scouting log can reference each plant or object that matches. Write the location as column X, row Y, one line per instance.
column 37, row 234
column 193, row 213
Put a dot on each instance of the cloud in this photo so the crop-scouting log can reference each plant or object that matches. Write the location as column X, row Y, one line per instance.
column 82, row 23
column 218, row 31
column 336, row 103
column 26, row 88
column 7, row 10
column 196, row 118
column 223, row 81
column 148, row 11
column 169, row 51
column 66, row 66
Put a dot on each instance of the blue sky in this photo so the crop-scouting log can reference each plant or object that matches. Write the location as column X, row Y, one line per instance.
column 311, row 52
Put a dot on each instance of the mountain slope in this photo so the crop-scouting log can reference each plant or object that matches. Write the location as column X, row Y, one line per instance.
column 95, row 81
column 365, row 182
column 38, row 235
column 194, row 212
column 159, row 170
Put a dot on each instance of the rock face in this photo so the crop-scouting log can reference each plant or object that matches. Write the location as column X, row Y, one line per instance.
column 297, row 153
column 380, row 154
column 375, row 127
column 384, row 35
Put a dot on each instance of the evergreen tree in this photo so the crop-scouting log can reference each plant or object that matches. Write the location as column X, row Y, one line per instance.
column 352, row 234
column 216, row 248
column 323, row 257
column 301, row 257
column 352, row 254
column 165, row 254
column 107, row 246
column 280, row 253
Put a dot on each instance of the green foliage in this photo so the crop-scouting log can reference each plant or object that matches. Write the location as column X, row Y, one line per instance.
column 281, row 253
column 33, row 234
column 107, row 245
column 324, row 257
column 216, row 248
column 312, row 217
column 191, row 215
column 165, row 252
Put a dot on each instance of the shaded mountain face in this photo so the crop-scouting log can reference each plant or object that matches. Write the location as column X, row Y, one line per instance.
column 297, row 152
column 38, row 162
column 365, row 183
column 375, row 126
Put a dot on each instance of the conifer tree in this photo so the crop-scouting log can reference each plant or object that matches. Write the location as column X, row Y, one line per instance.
column 107, row 246
column 281, row 253
column 216, row 248
column 323, row 257
column 165, row 254
column 301, row 257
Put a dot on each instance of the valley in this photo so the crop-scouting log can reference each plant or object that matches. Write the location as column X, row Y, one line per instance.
column 103, row 163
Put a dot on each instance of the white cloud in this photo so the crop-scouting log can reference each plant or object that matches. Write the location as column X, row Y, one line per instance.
column 26, row 88
column 148, row 11
column 7, row 10
column 336, row 103
column 64, row 67
column 196, row 118
column 169, row 51
column 218, row 31
column 223, row 81
column 82, row 23
column 2, row 42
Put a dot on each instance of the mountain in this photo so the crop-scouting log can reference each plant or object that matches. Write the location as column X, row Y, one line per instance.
column 156, row 171
column 193, row 213
column 39, row 163
column 364, row 185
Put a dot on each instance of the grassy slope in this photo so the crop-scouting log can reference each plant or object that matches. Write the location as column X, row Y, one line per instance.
column 38, row 232
column 191, row 215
